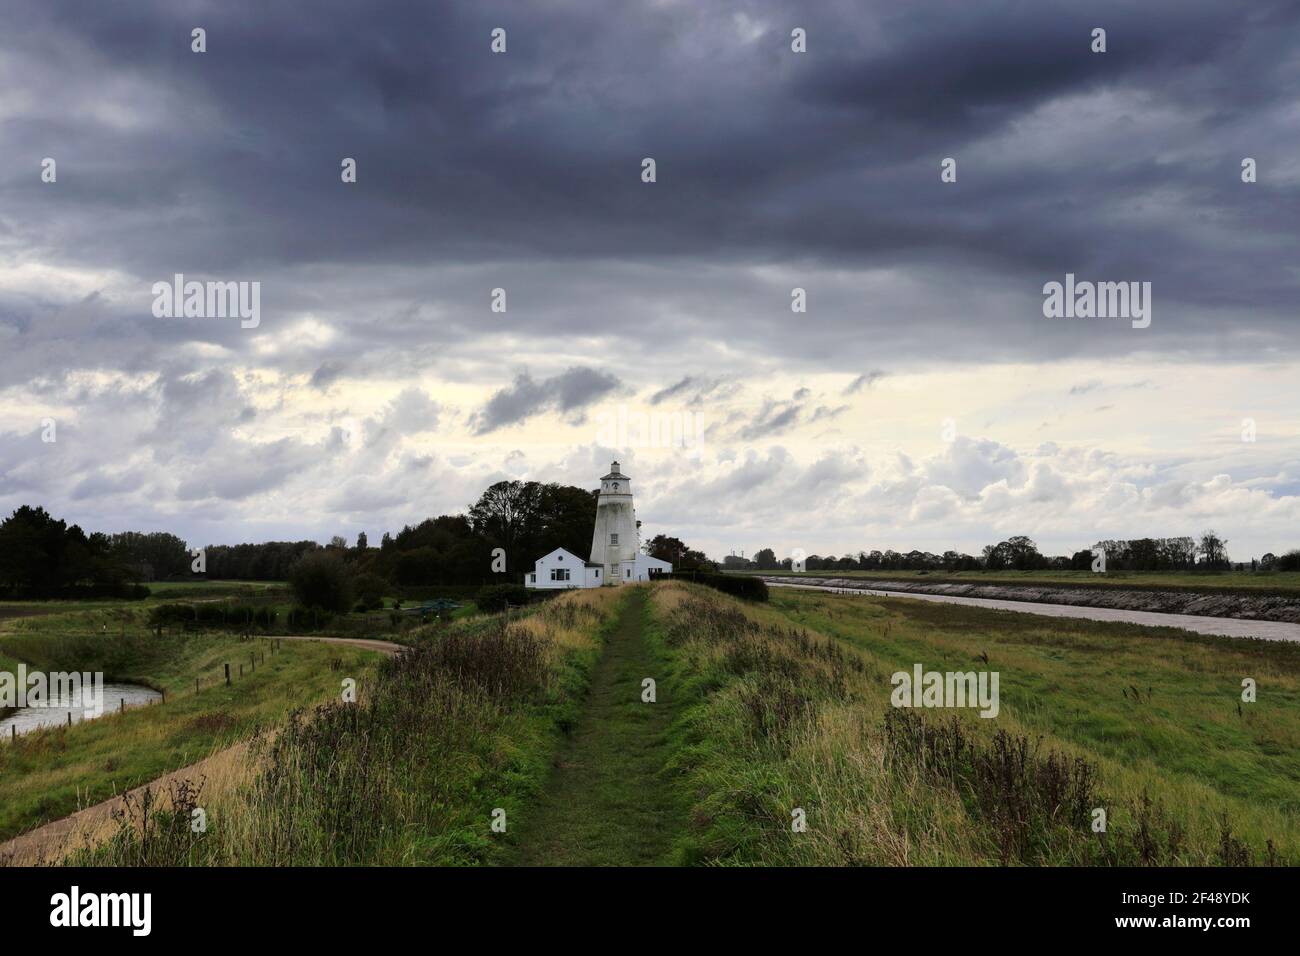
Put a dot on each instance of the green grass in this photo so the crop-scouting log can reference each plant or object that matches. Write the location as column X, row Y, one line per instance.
column 51, row 773
column 788, row 707
column 606, row 802
column 1286, row 583
column 464, row 724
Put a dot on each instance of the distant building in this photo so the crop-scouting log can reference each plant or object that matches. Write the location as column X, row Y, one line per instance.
column 616, row 556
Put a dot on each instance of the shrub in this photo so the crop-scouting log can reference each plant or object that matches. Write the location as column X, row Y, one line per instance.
column 495, row 597
column 323, row 580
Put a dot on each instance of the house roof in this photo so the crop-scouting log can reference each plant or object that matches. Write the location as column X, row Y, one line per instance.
column 566, row 551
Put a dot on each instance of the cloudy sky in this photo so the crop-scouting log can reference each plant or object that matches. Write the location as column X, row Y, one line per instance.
column 922, row 400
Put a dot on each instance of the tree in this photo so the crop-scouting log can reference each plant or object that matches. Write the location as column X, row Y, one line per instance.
column 155, row 556
column 765, row 558
column 675, row 552
column 1017, row 552
column 666, row 548
column 42, row 557
column 1178, row 553
column 506, row 514
column 322, row 579
column 1214, row 549
column 566, row 519
column 362, row 542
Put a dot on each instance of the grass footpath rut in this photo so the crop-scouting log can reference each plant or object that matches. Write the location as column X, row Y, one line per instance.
column 606, row 802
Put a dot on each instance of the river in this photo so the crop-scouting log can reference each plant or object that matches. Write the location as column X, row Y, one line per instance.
column 1225, row 626
column 56, row 714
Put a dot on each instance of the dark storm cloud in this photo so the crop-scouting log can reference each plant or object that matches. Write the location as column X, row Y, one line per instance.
column 522, row 171
column 228, row 162
column 570, row 391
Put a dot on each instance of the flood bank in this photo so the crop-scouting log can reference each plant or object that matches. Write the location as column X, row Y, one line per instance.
column 1262, row 607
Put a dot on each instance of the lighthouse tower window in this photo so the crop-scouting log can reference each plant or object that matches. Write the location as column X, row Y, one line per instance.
column 613, row 539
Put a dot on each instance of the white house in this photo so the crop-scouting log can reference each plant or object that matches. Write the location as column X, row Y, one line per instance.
column 616, row 556
column 564, row 569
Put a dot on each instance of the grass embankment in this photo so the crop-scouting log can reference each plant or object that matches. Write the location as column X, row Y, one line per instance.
column 462, row 725
column 788, row 709
column 50, row 773
column 1283, row 583
column 606, row 802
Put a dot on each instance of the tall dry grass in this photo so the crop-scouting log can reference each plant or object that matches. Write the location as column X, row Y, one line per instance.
column 460, row 725
column 787, row 720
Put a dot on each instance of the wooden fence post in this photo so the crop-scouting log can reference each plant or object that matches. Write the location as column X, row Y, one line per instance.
column 227, row 675
column 122, row 705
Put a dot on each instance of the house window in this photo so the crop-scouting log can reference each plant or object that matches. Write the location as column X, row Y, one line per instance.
column 613, row 539
column 629, row 572
column 597, row 574
column 559, row 574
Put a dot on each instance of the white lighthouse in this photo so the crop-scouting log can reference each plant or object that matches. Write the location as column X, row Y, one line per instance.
column 616, row 542
column 616, row 556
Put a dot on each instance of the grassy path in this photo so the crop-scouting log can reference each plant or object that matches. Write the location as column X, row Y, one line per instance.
column 606, row 803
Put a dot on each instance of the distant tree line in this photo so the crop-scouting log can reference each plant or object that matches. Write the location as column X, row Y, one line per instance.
column 268, row 561
column 42, row 557
column 495, row 542
column 1209, row 552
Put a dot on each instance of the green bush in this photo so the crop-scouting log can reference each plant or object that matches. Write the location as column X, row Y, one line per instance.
column 495, row 597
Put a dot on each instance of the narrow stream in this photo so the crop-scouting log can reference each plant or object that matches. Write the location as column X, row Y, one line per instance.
column 56, row 713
